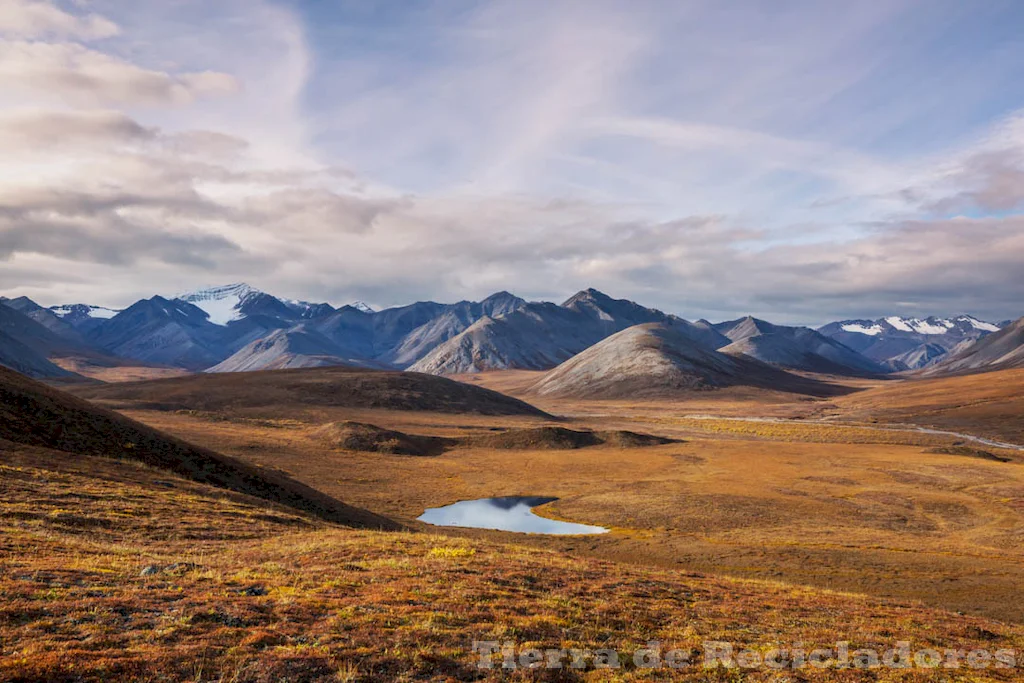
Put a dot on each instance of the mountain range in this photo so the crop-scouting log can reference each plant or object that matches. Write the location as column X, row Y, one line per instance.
column 237, row 328
column 909, row 343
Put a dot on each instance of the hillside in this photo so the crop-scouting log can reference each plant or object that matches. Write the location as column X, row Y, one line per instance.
column 298, row 347
column 32, row 414
column 988, row 404
column 336, row 387
column 21, row 358
column 219, row 588
column 658, row 360
column 999, row 350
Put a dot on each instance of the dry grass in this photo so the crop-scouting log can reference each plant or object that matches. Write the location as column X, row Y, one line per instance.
column 33, row 414
column 235, row 591
column 121, row 372
column 270, row 392
column 359, row 436
column 989, row 404
column 842, row 508
column 888, row 519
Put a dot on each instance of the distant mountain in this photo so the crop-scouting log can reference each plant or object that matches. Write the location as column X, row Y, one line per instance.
column 539, row 336
column 997, row 351
column 238, row 327
column 364, row 307
column 160, row 330
column 46, row 318
column 658, row 360
column 38, row 336
column 298, row 347
column 915, row 359
column 797, row 348
column 887, row 339
column 513, row 341
column 26, row 345
column 84, row 317
column 231, row 303
column 452, row 321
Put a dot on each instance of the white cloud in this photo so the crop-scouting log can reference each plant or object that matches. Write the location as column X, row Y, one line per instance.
column 41, row 18
column 683, row 157
column 85, row 77
column 40, row 130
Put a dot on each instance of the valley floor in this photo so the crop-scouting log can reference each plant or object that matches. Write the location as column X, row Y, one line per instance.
column 838, row 507
column 114, row 571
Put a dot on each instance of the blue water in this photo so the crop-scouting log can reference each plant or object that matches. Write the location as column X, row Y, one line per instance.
column 513, row 513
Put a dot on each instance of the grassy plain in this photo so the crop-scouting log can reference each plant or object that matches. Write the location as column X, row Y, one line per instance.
column 837, row 506
column 110, row 570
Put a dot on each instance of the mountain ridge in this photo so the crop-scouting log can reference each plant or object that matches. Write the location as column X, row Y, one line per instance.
column 238, row 327
column 659, row 360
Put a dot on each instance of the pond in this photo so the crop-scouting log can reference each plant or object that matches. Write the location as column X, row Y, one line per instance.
column 511, row 513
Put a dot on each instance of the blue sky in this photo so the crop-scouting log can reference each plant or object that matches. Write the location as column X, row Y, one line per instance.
column 803, row 161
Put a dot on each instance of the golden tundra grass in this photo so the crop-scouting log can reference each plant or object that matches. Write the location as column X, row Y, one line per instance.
column 241, row 591
column 838, row 507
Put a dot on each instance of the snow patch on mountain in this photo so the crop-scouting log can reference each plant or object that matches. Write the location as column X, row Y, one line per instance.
column 937, row 327
column 98, row 312
column 979, row 324
column 899, row 324
column 861, row 329
column 221, row 304
column 364, row 307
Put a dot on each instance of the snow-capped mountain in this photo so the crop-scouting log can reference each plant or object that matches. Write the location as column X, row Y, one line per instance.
column 71, row 312
column 83, row 317
column 364, row 307
column 231, row 303
column 238, row 327
column 222, row 305
column 907, row 343
column 166, row 331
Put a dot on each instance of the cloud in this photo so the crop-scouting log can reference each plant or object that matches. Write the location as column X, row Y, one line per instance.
column 82, row 76
column 114, row 227
column 690, row 158
column 315, row 213
column 990, row 181
column 39, row 18
column 36, row 130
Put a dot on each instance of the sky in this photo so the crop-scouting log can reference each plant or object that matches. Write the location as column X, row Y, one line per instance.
column 800, row 160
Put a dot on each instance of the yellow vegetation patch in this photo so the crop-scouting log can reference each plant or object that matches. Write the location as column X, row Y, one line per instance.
column 451, row 552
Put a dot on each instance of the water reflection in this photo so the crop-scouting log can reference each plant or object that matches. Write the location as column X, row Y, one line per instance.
column 511, row 513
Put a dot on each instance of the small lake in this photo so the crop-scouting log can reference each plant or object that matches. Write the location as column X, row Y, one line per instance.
column 511, row 513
